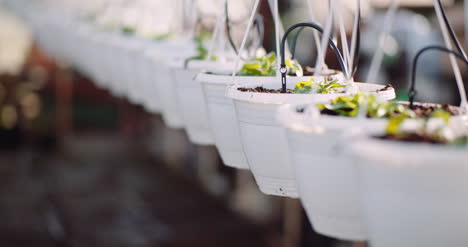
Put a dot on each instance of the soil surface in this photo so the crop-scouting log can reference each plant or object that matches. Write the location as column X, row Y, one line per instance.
column 421, row 110
column 426, row 109
column 414, row 137
column 263, row 90
column 386, row 88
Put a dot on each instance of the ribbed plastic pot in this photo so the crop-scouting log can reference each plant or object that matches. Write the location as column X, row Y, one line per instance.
column 92, row 59
column 130, row 48
column 116, row 60
column 119, row 60
column 151, row 98
column 413, row 194
column 324, row 172
column 192, row 100
column 222, row 116
column 161, row 58
column 263, row 138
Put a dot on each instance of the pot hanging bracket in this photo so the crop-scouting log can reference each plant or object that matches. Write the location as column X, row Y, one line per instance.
column 283, row 70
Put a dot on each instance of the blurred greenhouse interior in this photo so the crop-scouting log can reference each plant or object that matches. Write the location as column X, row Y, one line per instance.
column 84, row 165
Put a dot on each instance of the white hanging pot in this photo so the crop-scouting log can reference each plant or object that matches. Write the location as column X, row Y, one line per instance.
column 151, row 100
column 130, row 49
column 117, row 59
column 417, row 192
column 222, row 115
column 161, row 57
column 138, row 68
column 145, row 90
column 92, row 58
column 264, row 140
column 104, row 53
column 105, row 61
column 127, row 66
column 192, row 100
column 145, row 75
column 324, row 172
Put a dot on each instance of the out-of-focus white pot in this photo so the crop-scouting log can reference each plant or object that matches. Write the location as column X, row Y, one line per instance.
column 192, row 100
column 413, row 194
column 151, row 97
column 161, row 57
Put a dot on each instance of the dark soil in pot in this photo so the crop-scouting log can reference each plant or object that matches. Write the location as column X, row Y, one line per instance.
column 386, row 88
column 420, row 109
column 263, row 90
column 415, row 138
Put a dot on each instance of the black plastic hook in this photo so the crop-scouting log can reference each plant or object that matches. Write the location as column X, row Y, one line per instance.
column 412, row 91
column 283, row 69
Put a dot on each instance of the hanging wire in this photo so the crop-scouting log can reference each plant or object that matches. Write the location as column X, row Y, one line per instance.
column 244, row 40
column 320, row 63
column 258, row 22
column 452, row 34
column 453, row 62
column 379, row 54
column 356, row 40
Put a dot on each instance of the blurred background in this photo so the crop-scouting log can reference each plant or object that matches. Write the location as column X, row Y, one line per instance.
column 80, row 167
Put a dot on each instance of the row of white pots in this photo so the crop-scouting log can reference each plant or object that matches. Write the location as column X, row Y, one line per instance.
column 128, row 66
column 287, row 157
column 192, row 99
column 241, row 124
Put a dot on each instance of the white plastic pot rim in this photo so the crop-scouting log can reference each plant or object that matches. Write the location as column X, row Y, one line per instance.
column 202, row 65
column 228, row 79
column 165, row 54
column 278, row 98
column 289, row 117
column 166, row 58
column 303, row 122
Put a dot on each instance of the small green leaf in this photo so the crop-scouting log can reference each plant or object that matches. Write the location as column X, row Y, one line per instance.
column 128, row 30
column 439, row 113
column 394, row 124
column 253, row 66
